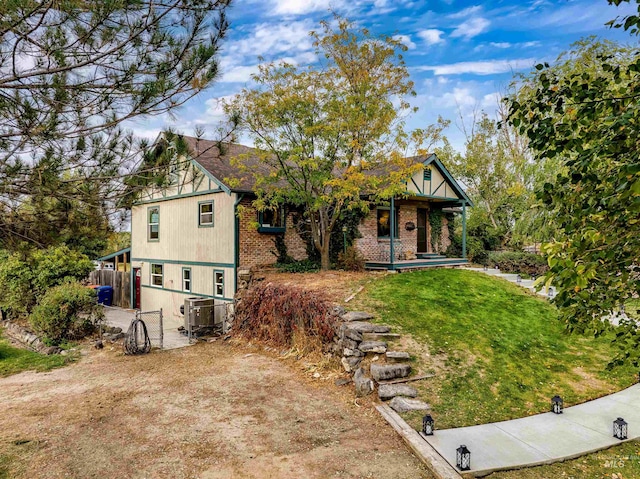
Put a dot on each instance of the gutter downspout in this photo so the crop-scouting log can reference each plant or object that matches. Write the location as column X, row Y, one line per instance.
column 236, row 240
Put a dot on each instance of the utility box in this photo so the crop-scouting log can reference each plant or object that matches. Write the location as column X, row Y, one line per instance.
column 198, row 313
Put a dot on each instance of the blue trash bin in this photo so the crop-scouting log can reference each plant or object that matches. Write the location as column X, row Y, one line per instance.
column 105, row 295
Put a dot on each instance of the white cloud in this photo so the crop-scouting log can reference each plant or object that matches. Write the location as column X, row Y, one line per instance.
column 431, row 36
column 501, row 44
column 459, row 98
column 238, row 73
column 467, row 12
column 406, row 40
column 489, row 67
column 215, row 109
column 274, row 38
column 302, row 7
column 471, row 28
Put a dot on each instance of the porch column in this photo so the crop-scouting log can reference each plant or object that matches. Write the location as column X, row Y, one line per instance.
column 392, row 229
column 464, row 229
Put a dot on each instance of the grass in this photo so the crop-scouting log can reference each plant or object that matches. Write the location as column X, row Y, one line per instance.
column 498, row 352
column 15, row 360
column 621, row 462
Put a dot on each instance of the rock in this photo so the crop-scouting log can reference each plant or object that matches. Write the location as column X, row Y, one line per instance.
column 350, row 364
column 397, row 355
column 381, row 372
column 401, row 404
column 363, row 327
column 356, row 316
column 64, row 352
column 51, row 350
column 352, row 352
column 389, row 391
column 339, row 310
column 380, row 336
column 378, row 347
column 353, row 334
column 342, row 381
column 363, row 384
column 111, row 330
column 350, row 343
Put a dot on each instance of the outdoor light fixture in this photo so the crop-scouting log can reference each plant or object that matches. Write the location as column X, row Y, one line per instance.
column 620, row 428
column 550, row 292
column 428, row 425
column 485, row 268
column 556, row 404
column 518, row 279
column 463, row 458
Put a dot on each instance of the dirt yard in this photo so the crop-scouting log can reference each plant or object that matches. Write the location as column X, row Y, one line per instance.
column 209, row 411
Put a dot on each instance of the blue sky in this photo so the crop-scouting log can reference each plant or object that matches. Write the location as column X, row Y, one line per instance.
column 461, row 56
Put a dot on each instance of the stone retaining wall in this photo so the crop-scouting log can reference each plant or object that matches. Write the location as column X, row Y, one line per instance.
column 29, row 339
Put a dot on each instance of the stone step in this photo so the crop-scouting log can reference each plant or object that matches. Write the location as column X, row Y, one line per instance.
column 378, row 347
column 356, row 316
column 364, row 327
column 402, row 404
column 382, row 372
column 379, row 336
column 397, row 355
column 389, row 391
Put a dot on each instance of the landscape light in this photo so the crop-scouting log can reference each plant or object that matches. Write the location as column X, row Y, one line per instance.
column 428, row 425
column 463, row 458
column 556, row 404
column 518, row 279
column 620, row 428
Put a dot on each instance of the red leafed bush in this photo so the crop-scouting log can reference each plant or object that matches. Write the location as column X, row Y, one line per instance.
column 275, row 313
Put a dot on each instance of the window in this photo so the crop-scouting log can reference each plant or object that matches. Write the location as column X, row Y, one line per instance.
column 153, row 221
column 218, row 283
column 427, row 174
column 205, row 213
column 272, row 221
column 384, row 225
column 156, row 274
column 186, row 279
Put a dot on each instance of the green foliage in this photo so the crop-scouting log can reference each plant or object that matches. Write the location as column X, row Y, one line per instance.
column 435, row 222
column 66, row 312
column 518, row 262
column 302, row 266
column 26, row 277
column 583, row 113
column 281, row 253
column 15, row 360
column 332, row 134
column 275, row 313
column 351, row 260
column 81, row 70
column 475, row 249
column 503, row 353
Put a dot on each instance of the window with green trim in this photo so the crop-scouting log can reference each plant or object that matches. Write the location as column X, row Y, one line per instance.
column 153, row 223
column 384, row 223
column 218, row 283
column 186, row 279
column 157, row 274
column 205, row 213
column 427, row 174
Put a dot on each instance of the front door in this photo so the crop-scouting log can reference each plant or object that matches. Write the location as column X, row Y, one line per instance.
column 137, row 275
column 423, row 243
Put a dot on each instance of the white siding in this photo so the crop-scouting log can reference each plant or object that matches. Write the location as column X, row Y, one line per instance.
column 436, row 187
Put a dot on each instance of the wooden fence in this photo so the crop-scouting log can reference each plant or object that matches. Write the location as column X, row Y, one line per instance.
column 120, row 281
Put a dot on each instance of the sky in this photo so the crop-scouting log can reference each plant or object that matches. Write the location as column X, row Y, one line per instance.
column 462, row 55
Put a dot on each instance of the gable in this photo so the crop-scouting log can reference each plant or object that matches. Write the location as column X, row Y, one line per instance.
column 435, row 181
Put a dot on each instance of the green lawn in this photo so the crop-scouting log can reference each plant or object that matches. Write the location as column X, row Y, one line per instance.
column 498, row 352
column 15, row 360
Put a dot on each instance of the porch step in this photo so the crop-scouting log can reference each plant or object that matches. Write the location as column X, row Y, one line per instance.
column 418, row 264
column 429, row 256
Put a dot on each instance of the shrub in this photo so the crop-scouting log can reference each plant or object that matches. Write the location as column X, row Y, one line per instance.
column 475, row 249
column 68, row 311
column 26, row 277
column 518, row 262
column 303, row 266
column 351, row 260
column 275, row 313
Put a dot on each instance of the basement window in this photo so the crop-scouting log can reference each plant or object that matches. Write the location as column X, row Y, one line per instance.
column 186, row 279
column 218, row 283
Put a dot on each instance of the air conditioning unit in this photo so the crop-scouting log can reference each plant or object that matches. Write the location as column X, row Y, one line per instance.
column 202, row 315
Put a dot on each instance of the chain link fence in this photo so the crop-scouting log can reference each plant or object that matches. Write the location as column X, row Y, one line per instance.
column 153, row 321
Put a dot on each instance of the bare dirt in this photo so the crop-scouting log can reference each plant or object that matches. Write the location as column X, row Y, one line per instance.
column 210, row 411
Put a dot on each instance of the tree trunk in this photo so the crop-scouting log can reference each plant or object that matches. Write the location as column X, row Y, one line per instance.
column 325, row 260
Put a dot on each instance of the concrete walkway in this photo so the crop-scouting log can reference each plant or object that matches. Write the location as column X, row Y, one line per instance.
column 513, row 278
column 544, row 438
column 121, row 318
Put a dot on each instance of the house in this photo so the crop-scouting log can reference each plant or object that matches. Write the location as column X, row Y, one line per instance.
column 189, row 240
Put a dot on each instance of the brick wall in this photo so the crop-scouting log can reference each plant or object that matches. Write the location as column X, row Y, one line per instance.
column 256, row 248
